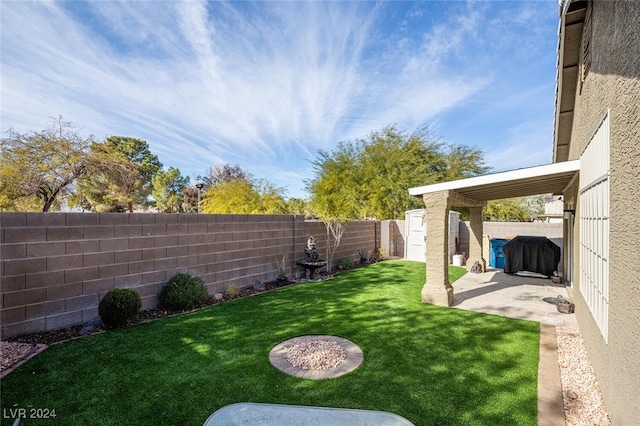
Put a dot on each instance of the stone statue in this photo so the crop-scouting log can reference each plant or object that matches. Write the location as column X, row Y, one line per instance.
column 311, row 251
column 312, row 261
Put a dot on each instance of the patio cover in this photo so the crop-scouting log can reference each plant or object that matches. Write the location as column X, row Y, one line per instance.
column 474, row 193
column 550, row 178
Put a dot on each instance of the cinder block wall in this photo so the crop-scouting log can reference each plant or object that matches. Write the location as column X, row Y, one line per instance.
column 357, row 235
column 56, row 267
column 508, row 230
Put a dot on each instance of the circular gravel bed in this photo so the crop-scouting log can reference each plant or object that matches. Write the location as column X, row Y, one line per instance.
column 316, row 357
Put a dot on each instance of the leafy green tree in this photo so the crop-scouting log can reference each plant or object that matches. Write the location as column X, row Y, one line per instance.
column 336, row 187
column 121, row 169
column 229, row 189
column 238, row 197
column 272, row 198
column 371, row 177
column 298, row 206
column 392, row 163
column 244, row 197
column 506, row 210
column 519, row 209
column 535, row 204
column 463, row 161
column 168, row 187
column 37, row 169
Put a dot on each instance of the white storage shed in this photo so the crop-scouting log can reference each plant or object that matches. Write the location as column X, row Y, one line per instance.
column 416, row 234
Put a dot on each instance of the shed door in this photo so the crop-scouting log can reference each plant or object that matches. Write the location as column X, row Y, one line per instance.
column 416, row 235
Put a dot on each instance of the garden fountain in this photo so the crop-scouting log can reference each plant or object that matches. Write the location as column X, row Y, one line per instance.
column 312, row 261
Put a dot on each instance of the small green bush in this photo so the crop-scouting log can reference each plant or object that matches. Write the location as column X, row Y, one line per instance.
column 119, row 306
column 377, row 255
column 183, row 291
column 233, row 290
column 364, row 259
column 346, row 263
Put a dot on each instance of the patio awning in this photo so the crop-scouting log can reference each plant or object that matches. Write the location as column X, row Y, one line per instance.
column 550, row 178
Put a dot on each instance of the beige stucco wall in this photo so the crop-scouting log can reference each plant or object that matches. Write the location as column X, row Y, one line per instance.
column 613, row 84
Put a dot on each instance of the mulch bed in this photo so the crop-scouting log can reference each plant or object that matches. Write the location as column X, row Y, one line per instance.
column 68, row 333
column 147, row 315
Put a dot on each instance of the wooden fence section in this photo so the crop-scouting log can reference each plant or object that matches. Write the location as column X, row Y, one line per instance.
column 56, row 267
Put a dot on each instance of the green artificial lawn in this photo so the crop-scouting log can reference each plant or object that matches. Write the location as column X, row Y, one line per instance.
column 432, row 365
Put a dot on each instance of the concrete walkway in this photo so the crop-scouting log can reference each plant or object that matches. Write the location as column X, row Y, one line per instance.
column 522, row 297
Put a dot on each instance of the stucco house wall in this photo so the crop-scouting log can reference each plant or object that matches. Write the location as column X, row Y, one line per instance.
column 612, row 85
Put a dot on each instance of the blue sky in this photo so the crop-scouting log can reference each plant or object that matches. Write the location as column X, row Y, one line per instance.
column 266, row 84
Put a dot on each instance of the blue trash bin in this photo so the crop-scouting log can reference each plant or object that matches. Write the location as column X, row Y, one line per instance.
column 496, row 253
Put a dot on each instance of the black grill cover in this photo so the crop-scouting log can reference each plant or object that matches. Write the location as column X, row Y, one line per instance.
column 533, row 254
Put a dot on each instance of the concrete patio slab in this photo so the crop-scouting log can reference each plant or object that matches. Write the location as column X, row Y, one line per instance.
column 512, row 296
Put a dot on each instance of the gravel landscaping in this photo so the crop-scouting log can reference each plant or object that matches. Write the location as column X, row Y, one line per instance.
column 583, row 404
column 316, row 355
column 14, row 352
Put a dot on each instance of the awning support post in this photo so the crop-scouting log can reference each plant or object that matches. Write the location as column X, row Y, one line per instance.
column 437, row 290
column 475, row 238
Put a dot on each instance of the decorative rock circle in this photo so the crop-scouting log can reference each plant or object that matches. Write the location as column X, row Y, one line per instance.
column 316, row 357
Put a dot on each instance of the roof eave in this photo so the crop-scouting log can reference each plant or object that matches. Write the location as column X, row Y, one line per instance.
column 567, row 70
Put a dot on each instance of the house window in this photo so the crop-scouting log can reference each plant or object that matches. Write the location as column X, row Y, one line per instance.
column 594, row 226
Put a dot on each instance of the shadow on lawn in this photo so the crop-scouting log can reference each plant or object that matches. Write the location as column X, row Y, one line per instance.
column 430, row 364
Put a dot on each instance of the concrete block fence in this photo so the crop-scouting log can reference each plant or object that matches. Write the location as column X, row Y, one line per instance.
column 56, row 267
column 509, row 230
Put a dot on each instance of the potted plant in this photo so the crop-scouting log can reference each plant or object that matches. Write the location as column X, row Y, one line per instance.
column 282, row 272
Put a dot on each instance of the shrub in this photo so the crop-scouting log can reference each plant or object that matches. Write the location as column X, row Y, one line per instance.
column 377, row 255
column 233, row 290
column 346, row 263
column 183, row 291
column 119, row 306
column 282, row 268
column 364, row 259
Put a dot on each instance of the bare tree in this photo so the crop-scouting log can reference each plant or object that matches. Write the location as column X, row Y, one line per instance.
column 223, row 174
column 41, row 165
column 335, row 228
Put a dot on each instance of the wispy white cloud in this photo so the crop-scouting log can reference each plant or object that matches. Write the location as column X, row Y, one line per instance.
column 262, row 84
column 521, row 148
